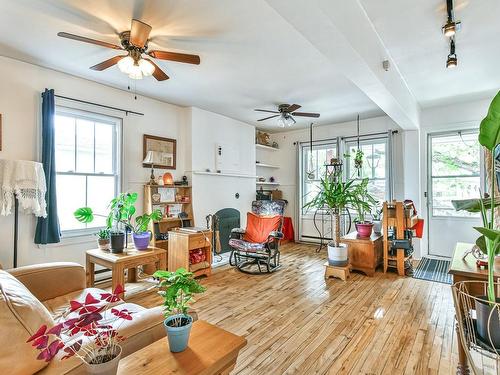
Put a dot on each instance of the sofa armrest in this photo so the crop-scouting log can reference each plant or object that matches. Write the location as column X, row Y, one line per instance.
column 51, row 280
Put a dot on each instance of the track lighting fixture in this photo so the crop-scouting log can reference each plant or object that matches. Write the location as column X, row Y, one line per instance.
column 451, row 26
column 452, row 60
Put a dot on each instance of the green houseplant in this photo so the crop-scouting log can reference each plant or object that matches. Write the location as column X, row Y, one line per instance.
column 335, row 195
column 179, row 287
column 488, row 319
column 103, row 239
column 120, row 220
column 363, row 204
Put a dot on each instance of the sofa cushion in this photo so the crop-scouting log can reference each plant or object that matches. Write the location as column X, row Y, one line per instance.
column 21, row 315
column 58, row 306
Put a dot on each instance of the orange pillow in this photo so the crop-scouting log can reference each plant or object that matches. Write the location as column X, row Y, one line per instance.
column 259, row 227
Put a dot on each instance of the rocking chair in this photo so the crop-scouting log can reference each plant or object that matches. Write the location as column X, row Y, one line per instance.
column 258, row 244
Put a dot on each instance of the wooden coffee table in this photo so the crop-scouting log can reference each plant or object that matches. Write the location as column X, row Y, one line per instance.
column 211, row 351
column 118, row 263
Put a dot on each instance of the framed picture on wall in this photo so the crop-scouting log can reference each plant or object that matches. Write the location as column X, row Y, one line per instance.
column 164, row 151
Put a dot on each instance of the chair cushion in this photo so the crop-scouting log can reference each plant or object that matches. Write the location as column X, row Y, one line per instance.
column 259, row 227
column 242, row 245
column 21, row 315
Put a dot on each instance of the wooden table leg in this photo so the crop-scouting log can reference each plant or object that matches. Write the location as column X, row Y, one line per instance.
column 462, row 366
column 118, row 277
column 90, row 272
column 132, row 275
column 162, row 264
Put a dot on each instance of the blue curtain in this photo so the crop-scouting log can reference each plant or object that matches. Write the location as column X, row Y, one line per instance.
column 47, row 229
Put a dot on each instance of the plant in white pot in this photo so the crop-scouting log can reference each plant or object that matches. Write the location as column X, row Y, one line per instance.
column 88, row 330
column 179, row 287
column 335, row 195
column 103, row 239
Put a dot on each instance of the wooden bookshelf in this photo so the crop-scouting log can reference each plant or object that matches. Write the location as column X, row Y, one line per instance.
column 182, row 196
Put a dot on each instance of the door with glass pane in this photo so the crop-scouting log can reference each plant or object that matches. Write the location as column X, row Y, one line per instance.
column 454, row 170
column 314, row 223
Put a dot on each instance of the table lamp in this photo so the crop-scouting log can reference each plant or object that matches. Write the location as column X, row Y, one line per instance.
column 152, row 157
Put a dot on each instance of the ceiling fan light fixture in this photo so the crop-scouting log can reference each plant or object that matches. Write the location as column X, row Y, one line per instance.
column 135, row 72
column 125, row 64
column 147, row 68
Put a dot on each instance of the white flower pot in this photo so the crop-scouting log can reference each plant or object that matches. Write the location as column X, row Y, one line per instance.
column 106, row 368
column 338, row 255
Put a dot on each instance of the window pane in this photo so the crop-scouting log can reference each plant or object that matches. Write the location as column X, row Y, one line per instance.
column 444, row 190
column 100, row 190
column 379, row 160
column 103, row 148
column 70, row 196
column 65, row 143
column 84, row 146
column 453, row 155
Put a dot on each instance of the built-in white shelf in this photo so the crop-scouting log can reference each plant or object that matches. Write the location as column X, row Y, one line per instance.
column 224, row 174
column 268, row 183
column 264, row 165
column 264, row 147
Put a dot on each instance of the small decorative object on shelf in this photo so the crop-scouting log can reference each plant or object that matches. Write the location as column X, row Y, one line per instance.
column 275, row 145
column 160, row 181
column 156, row 198
column 180, row 287
column 262, row 138
column 168, row 180
column 272, row 179
column 88, row 330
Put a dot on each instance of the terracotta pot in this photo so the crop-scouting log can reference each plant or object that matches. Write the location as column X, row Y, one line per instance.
column 103, row 243
column 364, row 229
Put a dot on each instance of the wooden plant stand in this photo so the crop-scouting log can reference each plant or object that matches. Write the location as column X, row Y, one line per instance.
column 342, row 273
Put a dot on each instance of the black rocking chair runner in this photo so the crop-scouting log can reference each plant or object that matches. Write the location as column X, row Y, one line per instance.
column 246, row 255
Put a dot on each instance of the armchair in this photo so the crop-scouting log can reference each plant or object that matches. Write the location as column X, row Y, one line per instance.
column 258, row 244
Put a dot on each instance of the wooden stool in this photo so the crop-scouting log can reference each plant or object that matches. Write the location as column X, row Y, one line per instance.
column 341, row 273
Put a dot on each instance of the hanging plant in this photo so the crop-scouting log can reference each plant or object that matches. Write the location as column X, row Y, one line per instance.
column 358, row 160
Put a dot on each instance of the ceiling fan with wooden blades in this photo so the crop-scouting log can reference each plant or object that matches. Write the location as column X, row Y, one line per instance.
column 135, row 43
column 285, row 113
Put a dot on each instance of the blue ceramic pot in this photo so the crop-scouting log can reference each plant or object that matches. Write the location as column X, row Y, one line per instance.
column 141, row 240
column 178, row 337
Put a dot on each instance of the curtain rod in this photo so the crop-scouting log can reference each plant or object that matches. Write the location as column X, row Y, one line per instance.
column 348, row 137
column 126, row 111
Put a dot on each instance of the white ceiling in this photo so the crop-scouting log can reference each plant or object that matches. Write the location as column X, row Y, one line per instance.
column 253, row 56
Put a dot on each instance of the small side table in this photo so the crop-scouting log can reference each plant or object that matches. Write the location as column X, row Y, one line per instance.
column 342, row 273
column 365, row 254
column 118, row 263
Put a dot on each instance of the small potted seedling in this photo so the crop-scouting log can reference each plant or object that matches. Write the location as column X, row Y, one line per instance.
column 377, row 219
column 177, row 289
column 103, row 239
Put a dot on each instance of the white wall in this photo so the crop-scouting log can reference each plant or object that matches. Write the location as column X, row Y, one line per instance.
column 20, row 91
column 211, row 193
column 286, row 157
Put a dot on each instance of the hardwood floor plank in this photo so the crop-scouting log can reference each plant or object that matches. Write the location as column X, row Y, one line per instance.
column 296, row 322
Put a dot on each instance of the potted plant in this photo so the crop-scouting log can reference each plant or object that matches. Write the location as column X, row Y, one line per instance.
column 120, row 220
column 363, row 205
column 87, row 331
column 335, row 195
column 103, row 239
column 178, row 294
column 487, row 307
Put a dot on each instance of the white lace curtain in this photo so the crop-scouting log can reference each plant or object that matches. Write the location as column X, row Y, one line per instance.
column 24, row 180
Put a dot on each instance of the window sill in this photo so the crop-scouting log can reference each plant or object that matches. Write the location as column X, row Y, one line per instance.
column 68, row 240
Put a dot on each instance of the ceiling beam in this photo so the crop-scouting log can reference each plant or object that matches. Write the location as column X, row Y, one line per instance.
column 342, row 31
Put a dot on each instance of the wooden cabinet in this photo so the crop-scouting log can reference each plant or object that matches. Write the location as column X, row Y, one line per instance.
column 180, row 243
column 365, row 254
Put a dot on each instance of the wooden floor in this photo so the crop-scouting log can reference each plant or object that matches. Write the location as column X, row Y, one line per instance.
column 298, row 323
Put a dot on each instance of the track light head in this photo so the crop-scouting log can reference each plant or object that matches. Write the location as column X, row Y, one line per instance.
column 452, row 61
column 451, row 27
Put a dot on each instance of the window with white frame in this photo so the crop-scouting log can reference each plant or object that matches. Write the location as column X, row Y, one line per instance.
column 314, row 169
column 87, row 157
column 375, row 165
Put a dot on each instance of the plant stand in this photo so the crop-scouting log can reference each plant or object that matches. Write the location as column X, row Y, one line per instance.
column 342, row 273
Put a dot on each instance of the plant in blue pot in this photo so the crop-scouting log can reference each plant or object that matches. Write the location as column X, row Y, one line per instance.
column 177, row 289
column 140, row 232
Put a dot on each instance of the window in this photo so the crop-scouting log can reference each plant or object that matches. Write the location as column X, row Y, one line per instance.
column 87, row 156
column 375, row 166
column 314, row 169
column 455, row 171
